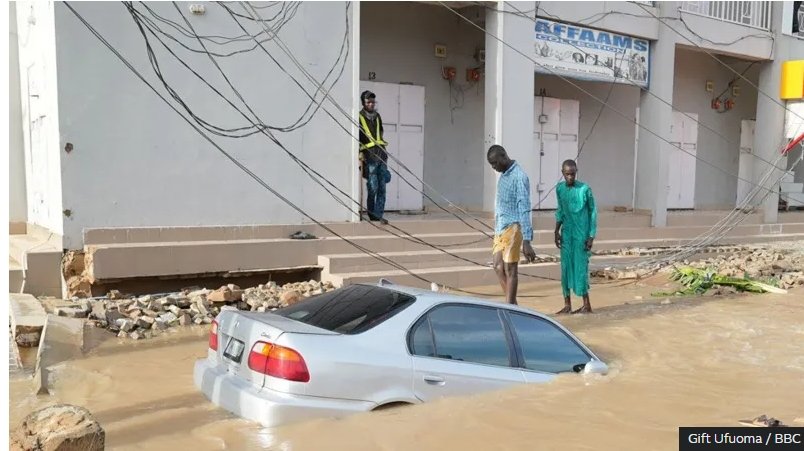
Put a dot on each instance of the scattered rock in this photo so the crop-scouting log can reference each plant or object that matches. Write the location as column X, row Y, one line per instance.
column 145, row 322
column 126, row 325
column 185, row 319
column 165, row 302
column 222, row 294
column 290, row 297
column 116, row 295
column 151, row 313
column 98, row 310
column 60, row 427
column 147, row 315
column 169, row 317
column 113, row 315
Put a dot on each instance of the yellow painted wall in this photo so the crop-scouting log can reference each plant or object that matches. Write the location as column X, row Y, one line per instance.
column 792, row 84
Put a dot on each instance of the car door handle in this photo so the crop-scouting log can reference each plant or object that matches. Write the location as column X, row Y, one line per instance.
column 434, row 380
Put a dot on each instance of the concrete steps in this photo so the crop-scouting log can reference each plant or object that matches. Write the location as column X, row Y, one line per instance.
column 115, row 255
column 35, row 259
column 120, row 261
column 355, row 268
column 360, row 262
column 439, row 224
column 15, row 275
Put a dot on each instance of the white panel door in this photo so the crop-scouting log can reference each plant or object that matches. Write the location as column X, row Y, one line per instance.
column 555, row 139
column 681, row 163
column 569, row 123
column 746, row 168
column 410, row 149
column 402, row 111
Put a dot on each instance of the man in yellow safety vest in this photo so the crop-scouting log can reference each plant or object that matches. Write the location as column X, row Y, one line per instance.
column 373, row 156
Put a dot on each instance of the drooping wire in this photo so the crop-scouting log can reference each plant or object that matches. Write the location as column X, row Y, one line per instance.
column 304, row 166
column 353, row 121
column 245, row 169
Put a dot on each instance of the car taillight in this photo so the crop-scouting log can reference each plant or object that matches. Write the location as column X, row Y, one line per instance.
column 278, row 361
column 213, row 336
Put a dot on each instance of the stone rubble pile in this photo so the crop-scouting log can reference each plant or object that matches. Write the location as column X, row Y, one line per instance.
column 757, row 263
column 147, row 316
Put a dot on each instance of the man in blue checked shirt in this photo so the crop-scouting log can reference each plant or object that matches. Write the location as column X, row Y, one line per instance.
column 512, row 218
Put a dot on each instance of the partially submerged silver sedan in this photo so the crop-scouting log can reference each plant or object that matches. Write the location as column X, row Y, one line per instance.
column 364, row 346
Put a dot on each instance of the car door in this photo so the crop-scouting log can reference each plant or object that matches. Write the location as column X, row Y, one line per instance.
column 545, row 349
column 462, row 349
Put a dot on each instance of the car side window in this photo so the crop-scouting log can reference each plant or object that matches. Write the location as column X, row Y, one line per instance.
column 545, row 347
column 470, row 334
column 421, row 339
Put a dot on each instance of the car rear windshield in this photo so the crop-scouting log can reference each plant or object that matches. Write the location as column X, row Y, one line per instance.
column 350, row 310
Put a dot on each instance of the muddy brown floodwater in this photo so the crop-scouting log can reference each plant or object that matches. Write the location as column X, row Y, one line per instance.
column 704, row 361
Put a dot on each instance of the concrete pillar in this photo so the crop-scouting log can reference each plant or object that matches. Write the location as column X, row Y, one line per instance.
column 509, row 90
column 769, row 133
column 357, row 177
column 650, row 192
column 18, row 208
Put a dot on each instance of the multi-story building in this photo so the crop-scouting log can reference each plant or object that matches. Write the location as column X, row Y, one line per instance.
column 665, row 105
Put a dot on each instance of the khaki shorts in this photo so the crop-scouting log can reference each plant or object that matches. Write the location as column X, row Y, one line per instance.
column 509, row 242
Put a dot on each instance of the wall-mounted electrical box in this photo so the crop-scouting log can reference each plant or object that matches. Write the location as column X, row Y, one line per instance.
column 449, row 73
column 440, row 51
column 710, row 86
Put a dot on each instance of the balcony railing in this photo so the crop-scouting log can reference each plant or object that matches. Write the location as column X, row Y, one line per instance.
column 752, row 14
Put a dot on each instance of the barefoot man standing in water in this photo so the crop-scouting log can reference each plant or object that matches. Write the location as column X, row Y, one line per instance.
column 513, row 230
column 576, row 225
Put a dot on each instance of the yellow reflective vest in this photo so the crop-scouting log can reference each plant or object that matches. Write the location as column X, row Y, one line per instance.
column 375, row 139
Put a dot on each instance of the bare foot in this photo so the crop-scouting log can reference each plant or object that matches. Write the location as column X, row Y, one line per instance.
column 584, row 309
column 565, row 310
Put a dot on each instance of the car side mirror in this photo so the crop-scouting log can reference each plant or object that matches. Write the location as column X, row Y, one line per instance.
column 596, row 367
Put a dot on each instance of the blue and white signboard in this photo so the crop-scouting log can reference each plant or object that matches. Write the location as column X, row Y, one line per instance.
column 590, row 54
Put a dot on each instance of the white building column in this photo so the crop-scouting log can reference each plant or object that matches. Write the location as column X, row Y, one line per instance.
column 18, row 208
column 769, row 133
column 651, row 180
column 357, row 175
column 509, row 90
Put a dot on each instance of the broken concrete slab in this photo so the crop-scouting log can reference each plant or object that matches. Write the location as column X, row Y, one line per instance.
column 28, row 318
column 62, row 339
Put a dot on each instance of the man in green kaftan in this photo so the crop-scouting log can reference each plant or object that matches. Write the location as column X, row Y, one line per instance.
column 576, row 225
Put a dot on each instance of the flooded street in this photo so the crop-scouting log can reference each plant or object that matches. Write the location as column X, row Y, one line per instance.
column 703, row 361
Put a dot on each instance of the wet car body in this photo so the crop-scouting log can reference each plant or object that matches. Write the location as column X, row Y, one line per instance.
column 366, row 346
